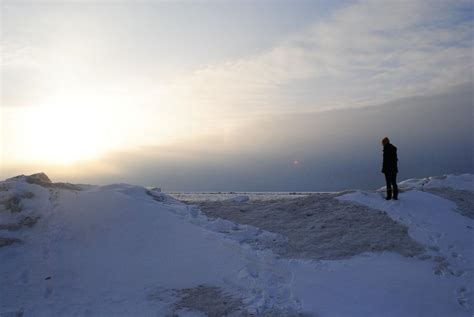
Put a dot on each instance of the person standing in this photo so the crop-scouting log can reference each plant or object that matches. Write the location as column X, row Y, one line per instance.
column 389, row 168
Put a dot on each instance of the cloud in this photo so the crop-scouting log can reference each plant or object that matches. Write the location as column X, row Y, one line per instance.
column 337, row 149
column 367, row 53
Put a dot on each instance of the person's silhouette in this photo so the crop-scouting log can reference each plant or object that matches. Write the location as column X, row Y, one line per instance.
column 389, row 168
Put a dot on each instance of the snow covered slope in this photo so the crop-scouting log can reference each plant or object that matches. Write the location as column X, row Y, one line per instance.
column 122, row 250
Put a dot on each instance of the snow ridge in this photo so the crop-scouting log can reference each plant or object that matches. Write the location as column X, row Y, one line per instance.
column 69, row 250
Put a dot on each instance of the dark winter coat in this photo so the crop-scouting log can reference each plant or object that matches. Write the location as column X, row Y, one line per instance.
column 389, row 159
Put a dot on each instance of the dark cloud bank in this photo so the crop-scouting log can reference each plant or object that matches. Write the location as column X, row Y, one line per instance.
column 336, row 149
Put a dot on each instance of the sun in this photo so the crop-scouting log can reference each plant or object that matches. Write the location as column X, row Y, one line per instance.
column 66, row 130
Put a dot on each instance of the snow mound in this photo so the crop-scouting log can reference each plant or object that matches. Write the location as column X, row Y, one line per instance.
column 448, row 235
column 43, row 180
column 460, row 182
column 38, row 178
column 463, row 199
column 130, row 251
column 457, row 188
column 99, row 251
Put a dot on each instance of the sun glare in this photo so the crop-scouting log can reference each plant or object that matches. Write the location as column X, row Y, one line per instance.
column 79, row 125
column 65, row 130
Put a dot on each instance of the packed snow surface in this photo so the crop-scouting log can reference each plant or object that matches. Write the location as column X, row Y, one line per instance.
column 122, row 250
column 319, row 226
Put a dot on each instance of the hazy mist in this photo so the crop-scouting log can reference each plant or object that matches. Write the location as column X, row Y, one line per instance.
column 236, row 96
column 335, row 150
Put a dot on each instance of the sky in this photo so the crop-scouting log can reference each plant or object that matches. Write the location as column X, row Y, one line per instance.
column 235, row 95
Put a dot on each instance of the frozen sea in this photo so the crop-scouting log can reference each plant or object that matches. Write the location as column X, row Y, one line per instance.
column 220, row 196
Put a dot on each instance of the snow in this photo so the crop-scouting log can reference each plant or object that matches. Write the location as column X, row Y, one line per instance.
column 107, row 247
column 228, row 196
column 449, row 236
column 318, row 226
column 240, row 199
column 461, row 182
column 375, row 285
column 130, row 251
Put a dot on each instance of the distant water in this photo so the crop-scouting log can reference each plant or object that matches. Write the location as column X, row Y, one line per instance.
column 219, row 196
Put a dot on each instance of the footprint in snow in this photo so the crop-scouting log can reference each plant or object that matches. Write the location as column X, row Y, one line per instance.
column 45, row 253
column 49, row 288
column 462, row 299
column 435, row 237
column 24, row 277
column 458, row 273
column 48, row 291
